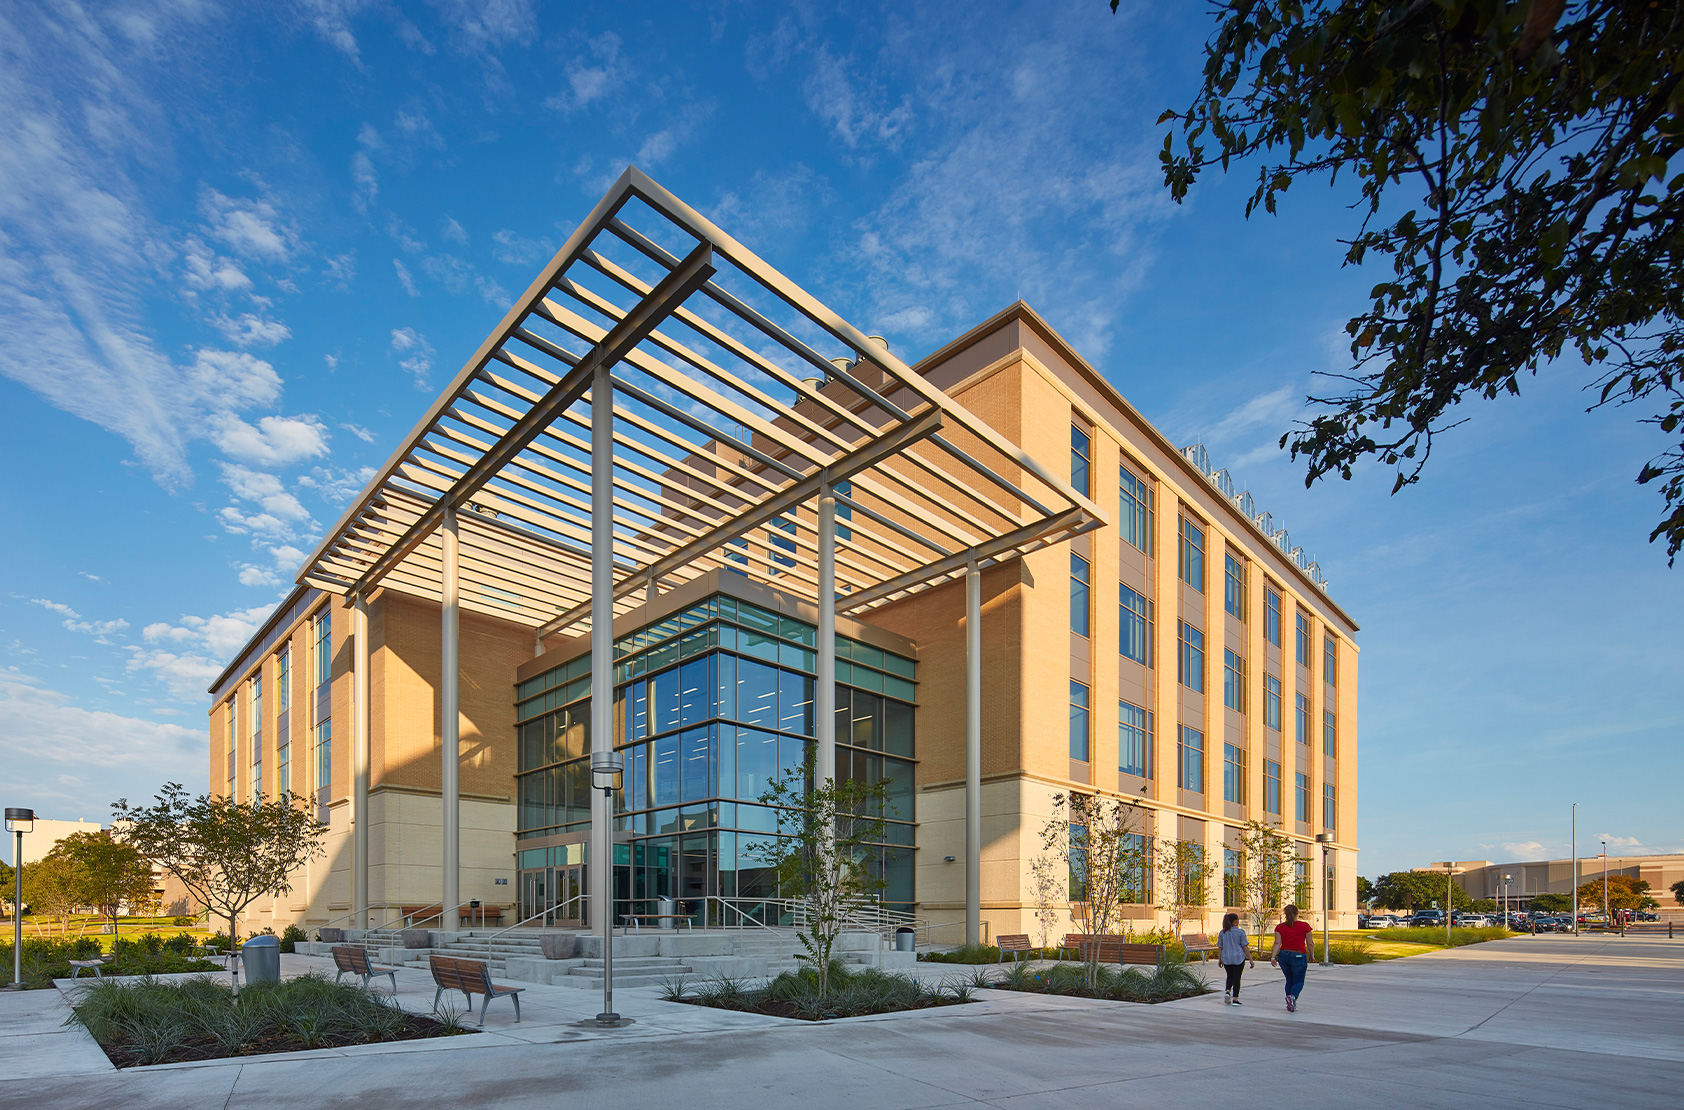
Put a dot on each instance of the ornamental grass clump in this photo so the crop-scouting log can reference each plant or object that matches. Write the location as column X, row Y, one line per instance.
column 1169, row 981
column 148, row 1021
column 798, row 994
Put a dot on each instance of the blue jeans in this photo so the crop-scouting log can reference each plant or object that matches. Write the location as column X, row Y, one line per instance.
column 1293, row 965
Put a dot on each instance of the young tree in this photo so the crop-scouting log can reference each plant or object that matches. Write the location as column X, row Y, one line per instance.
column 1049, row 891
column 1267, row 871
column 1103, row 847
column 52, row 887
column 827, row 835
column 1625, row 892
column 1552, row 903
column 1365, row 891
column 1183, row 880
column 1678, row 892
column 1518, row 168
column 227, row 854
column 108, row 872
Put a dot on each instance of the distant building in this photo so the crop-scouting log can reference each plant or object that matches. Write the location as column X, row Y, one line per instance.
column 1484, row 879
column 46, row 834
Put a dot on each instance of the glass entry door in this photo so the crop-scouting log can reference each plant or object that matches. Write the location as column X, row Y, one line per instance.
column 556, row 892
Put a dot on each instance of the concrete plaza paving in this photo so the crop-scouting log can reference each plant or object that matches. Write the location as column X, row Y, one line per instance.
column 1555, row 1021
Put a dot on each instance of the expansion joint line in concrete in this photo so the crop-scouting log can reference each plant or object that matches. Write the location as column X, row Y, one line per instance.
column 1528, row 991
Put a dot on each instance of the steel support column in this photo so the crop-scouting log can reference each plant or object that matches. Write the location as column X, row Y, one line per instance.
column 601, row 877
column 450, row 724
column 973, row 754
column 824, row 702
column 359, row 762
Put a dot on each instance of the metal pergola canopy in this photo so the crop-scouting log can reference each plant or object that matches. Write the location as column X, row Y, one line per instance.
column 737, row 399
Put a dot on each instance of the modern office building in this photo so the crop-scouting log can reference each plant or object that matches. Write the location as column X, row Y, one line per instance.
column 984, row 579
column 1522, row 881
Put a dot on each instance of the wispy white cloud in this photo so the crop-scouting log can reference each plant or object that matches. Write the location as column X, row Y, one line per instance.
column 58, row 607
column 405, row 278
column 255, row 228
column 274, row 441
column 416, row 352
column 251, row 330
column 454, row 231
column 589, row 81
column 519, row 250
column 460, row 277
column 856, row 108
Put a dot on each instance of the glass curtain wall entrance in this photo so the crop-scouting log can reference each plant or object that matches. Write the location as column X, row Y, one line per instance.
column 711, row 705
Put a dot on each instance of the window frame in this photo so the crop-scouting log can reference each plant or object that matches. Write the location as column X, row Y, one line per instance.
column 1271, row 702
column 1139, row 622
column 1233, row 680
column 1081, row 460
column 1233, row 774
column 1190, row 548
column 1081, row 596
column 1081, row 712
column 1190, row 757
column 1136, row 510
column 1271, row 614
column 1134, row 738
column 1272, row 787
column 1191, row 661
column 1233, row 587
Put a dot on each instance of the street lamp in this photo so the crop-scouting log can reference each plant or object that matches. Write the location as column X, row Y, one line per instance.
column 1605, row 917
column 608, row 770
column 1325, row 840
column 18, row 822
column 1575, row 868
column 1506, row 900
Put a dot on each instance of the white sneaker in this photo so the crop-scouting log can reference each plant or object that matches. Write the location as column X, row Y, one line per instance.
column 1227, row 998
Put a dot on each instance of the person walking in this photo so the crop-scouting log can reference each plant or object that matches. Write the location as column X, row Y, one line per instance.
column 1233, row 952
column 1292, row 954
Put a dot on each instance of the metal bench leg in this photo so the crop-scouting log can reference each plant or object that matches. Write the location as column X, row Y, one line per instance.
column 515, row 998
column 393, row 976
column 483, row 1006
column 338, row 977
column 438, row 994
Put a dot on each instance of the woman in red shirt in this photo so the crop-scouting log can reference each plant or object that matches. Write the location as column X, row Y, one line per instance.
column 1292, row 954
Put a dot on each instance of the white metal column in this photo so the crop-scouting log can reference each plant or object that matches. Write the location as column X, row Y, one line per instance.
column 450, row 725
column 359, row 763
column 824, row 701
column 601, row 877
column 973, row 754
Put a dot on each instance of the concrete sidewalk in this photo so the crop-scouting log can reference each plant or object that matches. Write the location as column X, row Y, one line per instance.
column 1547, row 1021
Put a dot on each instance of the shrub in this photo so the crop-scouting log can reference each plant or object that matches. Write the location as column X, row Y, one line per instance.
column 849, row 993
column 290, row 937
column 186, row 922
column 968, row 954
column 149, row 1022
column 48, row 958
column 1171, row 980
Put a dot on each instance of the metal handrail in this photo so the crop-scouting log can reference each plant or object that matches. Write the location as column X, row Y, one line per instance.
column 580, row 897
column 402, row 916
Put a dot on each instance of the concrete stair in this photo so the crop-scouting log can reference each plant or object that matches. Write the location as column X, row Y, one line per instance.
column 630, row 971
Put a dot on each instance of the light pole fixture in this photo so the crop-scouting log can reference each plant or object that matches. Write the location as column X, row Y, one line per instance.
column 1326, row 841
column 1606, row 917
column 18, row 822
column 1506, row 900
column 608, row 773
column 1575, row 868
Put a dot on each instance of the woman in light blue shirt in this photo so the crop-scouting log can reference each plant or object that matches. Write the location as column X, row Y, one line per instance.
column 1233, row 951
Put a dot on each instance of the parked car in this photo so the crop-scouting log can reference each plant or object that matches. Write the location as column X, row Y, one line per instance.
column 1427, row 918
column 1467, row 920
column 1645, row 915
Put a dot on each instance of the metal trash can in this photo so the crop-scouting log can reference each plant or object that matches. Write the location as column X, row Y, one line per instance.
column 667, row 905
column 262, row 957
column 906, row 939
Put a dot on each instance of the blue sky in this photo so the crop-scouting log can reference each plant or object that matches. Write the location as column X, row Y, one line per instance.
column 242, row 246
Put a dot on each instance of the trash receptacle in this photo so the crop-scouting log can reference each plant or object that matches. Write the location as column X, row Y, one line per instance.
column 906, row 939
column 262, row 957
column 667, row 905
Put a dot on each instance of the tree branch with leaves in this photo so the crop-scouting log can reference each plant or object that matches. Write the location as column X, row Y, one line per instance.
column 1517, row 167
column 1103, row 845
column 227, row 854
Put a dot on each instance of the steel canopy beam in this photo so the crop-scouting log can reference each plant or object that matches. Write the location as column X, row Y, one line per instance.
column 631, row 330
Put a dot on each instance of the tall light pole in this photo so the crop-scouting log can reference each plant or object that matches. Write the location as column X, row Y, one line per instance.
column 1506, row 901
column 1575, row 868
column 608, row 770
column 1605, row 916
column 1325, row 839
column 18, row 822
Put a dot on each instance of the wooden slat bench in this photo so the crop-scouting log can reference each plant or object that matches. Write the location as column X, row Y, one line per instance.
column 1114, row 949
column 633, row 919
column 1015, row 943
column 355, row 961
column 485, row 915
column 1197, row 942
column 471, row 977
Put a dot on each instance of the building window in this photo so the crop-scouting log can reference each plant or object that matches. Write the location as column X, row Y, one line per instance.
column 1192, row 555
column 1137, row 888
column 1233, row 878
column 1078, row 721
column 1078, row 862
column 1233, row 774
column 283, row 768
column 1134, row 731
column 1271, row 702
column 324, row 769
column 1233, row 587
column 1135, row 512
column 283, row 680
column 1327, row 807
column 1135, row 626
column 1303, row 719
column 1271, row 787
column 844, row 511
column 1190, row 760
column 1329, row 735
column 1233, row 681
column 1303, row 797
column 257, row 737
column 1301, row 881
column 1190, row 668
column 324, row 649
column 324, row 721
column 1303, row 640
column 1271, row 615
column 785, row 542
column 1081, row 453
column 232, row 721
column 1330, row 661
column 1078, row 595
